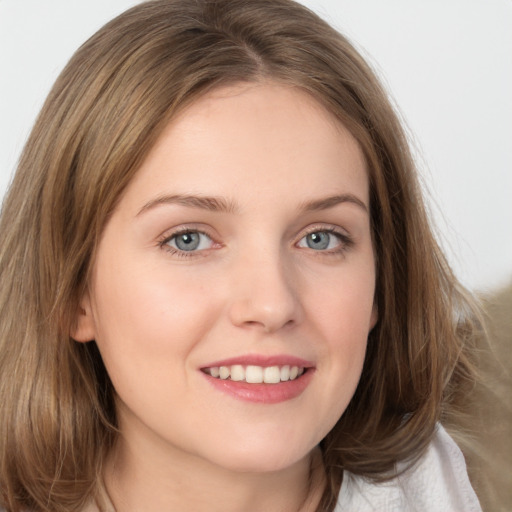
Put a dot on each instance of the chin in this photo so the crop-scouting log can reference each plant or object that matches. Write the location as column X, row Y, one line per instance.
column 259, row 459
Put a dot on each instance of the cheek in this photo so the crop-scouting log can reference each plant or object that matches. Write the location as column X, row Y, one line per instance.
column 147, row 316
column 341, row 314
column 149, row 322
column 343, row 307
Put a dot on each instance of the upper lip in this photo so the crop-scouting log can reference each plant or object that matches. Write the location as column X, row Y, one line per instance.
column 262, row 360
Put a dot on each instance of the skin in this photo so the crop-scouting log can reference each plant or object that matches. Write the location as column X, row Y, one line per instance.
column 253, row 286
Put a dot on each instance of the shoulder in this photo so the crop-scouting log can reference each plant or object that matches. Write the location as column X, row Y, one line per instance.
column 438, row 482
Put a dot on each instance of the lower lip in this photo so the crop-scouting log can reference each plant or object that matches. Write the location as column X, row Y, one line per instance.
column 263, row 393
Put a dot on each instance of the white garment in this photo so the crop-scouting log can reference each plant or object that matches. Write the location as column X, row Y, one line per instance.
column 437, row 483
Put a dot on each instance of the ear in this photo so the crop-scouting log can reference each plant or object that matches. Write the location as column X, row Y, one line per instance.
column 84, row 328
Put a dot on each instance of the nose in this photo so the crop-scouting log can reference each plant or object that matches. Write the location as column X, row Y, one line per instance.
column 264, row 294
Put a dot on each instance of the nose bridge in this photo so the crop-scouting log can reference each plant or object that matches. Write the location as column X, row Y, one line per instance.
column 264, row 292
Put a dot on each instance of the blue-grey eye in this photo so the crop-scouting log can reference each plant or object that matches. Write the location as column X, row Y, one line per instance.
column 190, row 241
column 320, row 241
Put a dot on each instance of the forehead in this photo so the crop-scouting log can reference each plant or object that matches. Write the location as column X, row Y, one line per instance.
column 272, row 136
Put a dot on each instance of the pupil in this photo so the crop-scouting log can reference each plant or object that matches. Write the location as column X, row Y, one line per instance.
column 188, row 241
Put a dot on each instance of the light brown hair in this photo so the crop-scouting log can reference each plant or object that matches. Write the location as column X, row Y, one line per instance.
column 106, row 110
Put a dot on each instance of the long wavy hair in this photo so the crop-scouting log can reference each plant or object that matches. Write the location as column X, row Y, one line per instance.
column 103, row 115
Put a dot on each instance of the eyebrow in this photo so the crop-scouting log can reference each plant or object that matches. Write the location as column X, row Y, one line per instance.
column 221, row 205
column 330, row 202
column 212, row 204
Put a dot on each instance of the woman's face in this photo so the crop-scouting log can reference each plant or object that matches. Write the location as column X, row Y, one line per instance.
column 233, row 289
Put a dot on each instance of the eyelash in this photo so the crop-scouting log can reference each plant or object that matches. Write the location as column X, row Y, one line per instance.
column 346, row 242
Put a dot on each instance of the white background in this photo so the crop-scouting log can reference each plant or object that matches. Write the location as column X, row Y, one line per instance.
column 448, row 64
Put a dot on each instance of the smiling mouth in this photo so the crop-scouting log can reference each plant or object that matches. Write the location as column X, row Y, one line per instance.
column 252, row 374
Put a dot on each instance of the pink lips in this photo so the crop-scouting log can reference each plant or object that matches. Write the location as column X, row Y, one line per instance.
column 262, row 393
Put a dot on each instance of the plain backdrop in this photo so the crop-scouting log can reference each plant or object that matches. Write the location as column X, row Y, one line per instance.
column 446, row 63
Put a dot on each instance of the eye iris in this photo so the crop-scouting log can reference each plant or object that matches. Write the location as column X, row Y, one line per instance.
column 187, row 241
column 318, row 240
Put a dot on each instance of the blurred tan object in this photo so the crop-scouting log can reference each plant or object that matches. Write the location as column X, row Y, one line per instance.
column 489, row 450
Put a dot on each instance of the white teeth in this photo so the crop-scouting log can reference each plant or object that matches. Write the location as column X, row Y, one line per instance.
column 271, row 375
column 285, row 373
column 256, row 374
column 237, row 372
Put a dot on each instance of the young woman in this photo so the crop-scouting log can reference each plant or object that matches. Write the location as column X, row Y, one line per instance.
column 219, row 287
